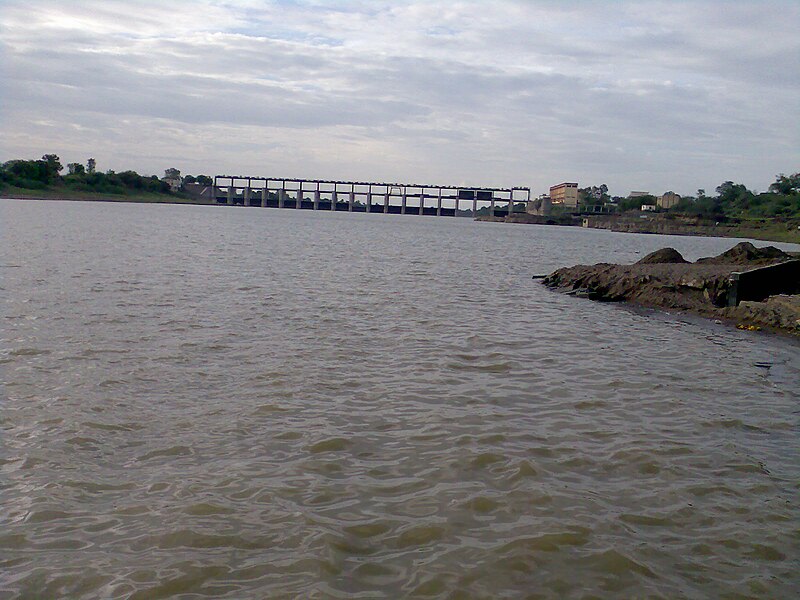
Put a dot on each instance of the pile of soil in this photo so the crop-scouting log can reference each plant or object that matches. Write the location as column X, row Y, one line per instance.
column 664, row 279
column 745, row 253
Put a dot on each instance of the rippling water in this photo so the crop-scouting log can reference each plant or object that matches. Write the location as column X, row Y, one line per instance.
column 254, row 403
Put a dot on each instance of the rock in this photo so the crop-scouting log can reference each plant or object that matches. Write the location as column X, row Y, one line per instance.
column 745, row 253
column 665, row 255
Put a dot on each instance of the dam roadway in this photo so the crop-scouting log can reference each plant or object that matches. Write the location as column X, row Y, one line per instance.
column 357, row 196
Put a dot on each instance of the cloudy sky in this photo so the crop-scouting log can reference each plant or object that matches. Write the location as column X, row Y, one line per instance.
column 639, row 95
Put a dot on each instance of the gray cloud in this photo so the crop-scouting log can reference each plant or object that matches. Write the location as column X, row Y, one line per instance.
column 651, row 95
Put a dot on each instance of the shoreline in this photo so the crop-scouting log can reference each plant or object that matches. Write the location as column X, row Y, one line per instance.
column 765, row 230
column 145, row 198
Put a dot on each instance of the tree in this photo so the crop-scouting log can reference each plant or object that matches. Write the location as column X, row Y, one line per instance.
column 76, row 169
column 734, row 198
column 204, row 180
column 594, row 194
column 131, row 179
column 53, row 167
column 636, row 202
column 32, row 174
column 189, row 179
column 91, row 165
column 172, row 173
column 786, row 185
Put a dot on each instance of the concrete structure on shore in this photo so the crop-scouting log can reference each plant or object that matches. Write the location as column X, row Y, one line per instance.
column 542, row 206
column 172, row 177
column 355, row 196
column 668, row 200
column 564, row 193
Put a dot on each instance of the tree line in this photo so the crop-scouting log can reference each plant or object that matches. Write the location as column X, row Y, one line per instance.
column 732, row 201
column 45, row 173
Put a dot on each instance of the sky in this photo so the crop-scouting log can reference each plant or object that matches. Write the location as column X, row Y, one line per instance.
column 644, row 95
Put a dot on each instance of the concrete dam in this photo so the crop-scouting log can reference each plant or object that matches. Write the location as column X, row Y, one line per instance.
column 359, row 196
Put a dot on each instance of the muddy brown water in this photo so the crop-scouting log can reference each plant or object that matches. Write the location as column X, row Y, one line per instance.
column 226, row 402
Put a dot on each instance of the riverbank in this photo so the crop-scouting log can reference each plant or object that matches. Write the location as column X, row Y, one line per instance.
column 80, row 196
column 761, row 229
column 708, row 287
column 771, row 230
column 784, row 230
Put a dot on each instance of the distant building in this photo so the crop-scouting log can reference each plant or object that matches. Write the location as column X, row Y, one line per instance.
column 638, row 194
column 564, row 193
column 649, row 207
column 172, row 177
column 668, row 199
column 542, row 206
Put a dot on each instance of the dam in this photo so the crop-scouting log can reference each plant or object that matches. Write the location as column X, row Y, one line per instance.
column 359, row 196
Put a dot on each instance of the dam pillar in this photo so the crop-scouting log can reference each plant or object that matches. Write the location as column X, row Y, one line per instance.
column 299, row 203
column 350, row 201
column 455, row 213
column 439, row 204
column 316, row 200
column 281, row 197
column 246, row 196
column 421, row 202
column 231, row 193
column 491, row 210
column 264, row 196
column 334, row 199
column 403, row 205
column 369, row 200
column 510, row 207
column 386, row 203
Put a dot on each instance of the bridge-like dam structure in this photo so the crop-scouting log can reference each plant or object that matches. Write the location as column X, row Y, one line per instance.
column 359, row 196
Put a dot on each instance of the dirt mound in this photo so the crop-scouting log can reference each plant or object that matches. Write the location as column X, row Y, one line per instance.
column 664, row 279
column 745, row 253
column 665, row 255
column 683, row 286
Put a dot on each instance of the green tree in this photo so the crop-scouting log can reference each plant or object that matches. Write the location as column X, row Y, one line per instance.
column 786, row 185
column 636, row 202
column 594, row 194
column 91, row 165
column 53, row 167
column 734, row 198
column 131, row 179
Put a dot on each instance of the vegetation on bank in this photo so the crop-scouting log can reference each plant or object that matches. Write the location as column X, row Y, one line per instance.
column 43, row 178
column 733, row 201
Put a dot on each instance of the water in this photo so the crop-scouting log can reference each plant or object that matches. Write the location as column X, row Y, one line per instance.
column 254, row 403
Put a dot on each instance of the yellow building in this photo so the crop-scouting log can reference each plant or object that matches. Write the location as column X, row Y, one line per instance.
column 564, row 193
column 668, row 199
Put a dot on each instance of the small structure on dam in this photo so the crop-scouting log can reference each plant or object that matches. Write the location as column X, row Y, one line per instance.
column 359, row 196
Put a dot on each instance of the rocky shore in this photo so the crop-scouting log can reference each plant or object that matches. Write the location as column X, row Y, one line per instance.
column 664, row 279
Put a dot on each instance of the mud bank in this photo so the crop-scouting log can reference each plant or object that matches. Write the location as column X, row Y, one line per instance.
column 708, row 287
